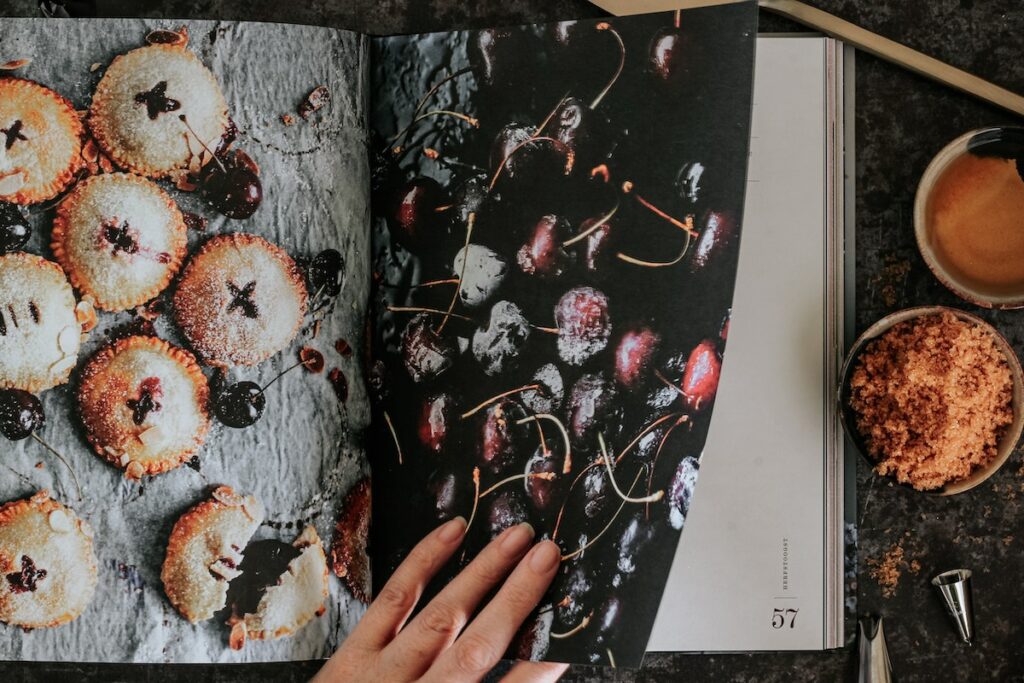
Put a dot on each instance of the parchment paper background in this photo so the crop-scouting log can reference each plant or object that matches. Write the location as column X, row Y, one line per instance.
column 307, row 451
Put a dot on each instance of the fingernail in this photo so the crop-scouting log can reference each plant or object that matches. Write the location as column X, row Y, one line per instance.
column 545, row 557
column 515, row 539
column 452, row 530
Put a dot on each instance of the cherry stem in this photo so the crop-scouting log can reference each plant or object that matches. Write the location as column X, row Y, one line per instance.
column 394, row 435
column 606, row 526
column 183, row 119
column 547, row 476
column 605, row 26
column 282, row 374
column 644, row 432
column 549, row 330
column 601, row 170
column 593, row 228
column 576, row 629
column 433, row 89
column 62, row 459
column 561, row 511
column 652, row 498
column 656, row 264
column 611, row 657
column 462, row 272
column 686, row 226
column 475, row 123
column 569, row 157
column 543, row 442
column 476, row 503
column 670, row 385
column 492, row 399
column 567, row 464
column 421, row 309
column 678, row 17
column 551, row 115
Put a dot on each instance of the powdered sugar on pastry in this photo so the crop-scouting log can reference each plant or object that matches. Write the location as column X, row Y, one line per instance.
column 240, row 300
column 205, row 551
column 40, row 142
column 47, row 566
column 143, row 403
column 137, row 108
column 39, row 333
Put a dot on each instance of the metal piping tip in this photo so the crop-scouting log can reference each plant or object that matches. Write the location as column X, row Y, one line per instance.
column 875, row 666
column 955, row 588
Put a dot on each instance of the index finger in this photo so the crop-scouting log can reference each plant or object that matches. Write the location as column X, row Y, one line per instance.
column 391, row 608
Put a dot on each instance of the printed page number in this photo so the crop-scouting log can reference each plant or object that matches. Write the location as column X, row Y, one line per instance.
column 784, row 617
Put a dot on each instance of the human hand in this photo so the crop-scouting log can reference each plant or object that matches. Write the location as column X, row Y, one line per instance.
column 438, row 645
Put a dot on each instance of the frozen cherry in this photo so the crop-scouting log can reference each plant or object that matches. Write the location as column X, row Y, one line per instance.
column 717, row 238
column 501, row 56
column 534, row 637
column 634, row 354
column 605, row 623
column 502, row 435
column 511, row 136
column 584, row 326
column 498, row 345
column 325, row 273
column 635, row 539
column 426, row 353
column 572, row 591
column 436, row 419
column 543, row 255
column 240, row 405
column 597, row 491
column 592, row 406
column 551, row 392
column 700, row 380
column 481, row 271
column 598, row 254
column 232, row 188
column 414, row 219
column 14, row 228
column 21, row 413
column 680, row 491
column 505, row 510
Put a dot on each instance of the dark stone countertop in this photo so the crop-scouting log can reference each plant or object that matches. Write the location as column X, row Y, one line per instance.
column 902, row 121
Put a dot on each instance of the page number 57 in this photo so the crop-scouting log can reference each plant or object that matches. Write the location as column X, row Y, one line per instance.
column 784, row 617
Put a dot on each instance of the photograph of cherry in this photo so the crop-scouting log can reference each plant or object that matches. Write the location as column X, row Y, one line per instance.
column 557, row 215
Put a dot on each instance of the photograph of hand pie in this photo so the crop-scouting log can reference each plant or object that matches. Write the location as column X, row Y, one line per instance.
column 176, row 310
column 47, row 564
column 41, row 138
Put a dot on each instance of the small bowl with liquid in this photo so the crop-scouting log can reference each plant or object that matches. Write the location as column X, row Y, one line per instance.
column 969, row 217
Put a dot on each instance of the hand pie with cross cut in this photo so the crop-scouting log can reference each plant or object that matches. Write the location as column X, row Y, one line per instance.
column 155, row 108
column 40, row 142
column 120, row 238
column 47, row 566
column 205, row 552
column 39, row 330
column 144, row 405
column 240, row 300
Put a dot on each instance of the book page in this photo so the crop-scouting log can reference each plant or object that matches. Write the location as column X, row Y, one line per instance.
column 749, row 573
column 557, row 215
column 197, row 282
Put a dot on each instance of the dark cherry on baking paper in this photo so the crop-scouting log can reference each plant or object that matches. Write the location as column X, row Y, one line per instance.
column 263, row 563
column 21, row 413
column 14, row 228
column 240, row 404
column 324, row 273
column 232, row 187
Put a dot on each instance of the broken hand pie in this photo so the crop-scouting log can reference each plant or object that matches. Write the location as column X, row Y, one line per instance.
column 205, row 550
column 47, row 566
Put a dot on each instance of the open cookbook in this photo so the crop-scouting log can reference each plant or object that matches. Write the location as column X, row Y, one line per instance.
column 276, row 301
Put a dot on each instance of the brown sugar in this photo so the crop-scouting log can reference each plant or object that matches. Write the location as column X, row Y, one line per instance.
column 932, row 398
column 886, row 571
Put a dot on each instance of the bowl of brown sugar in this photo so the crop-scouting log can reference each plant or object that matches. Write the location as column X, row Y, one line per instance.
column 969, row 217
column 933, row 397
